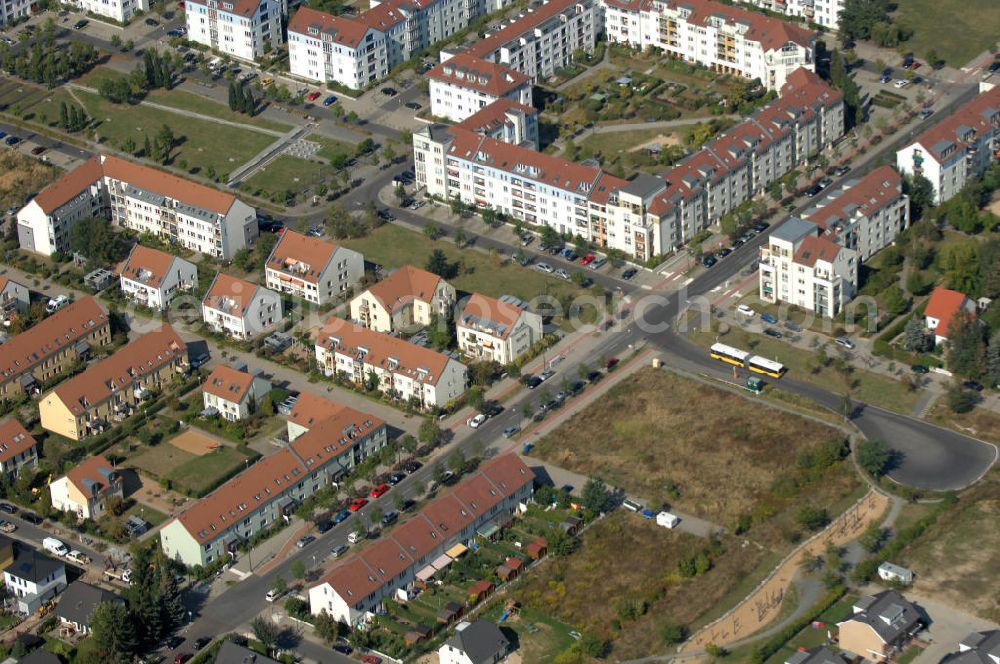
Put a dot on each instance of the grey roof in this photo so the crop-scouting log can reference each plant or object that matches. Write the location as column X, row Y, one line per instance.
column 644, row 185
column 33, row 566
column 482, row 642
column 977, row 648
column 79, row 599
column 820, row 655
column 232, row 653
column 40, row 656
column 888, row 613
column 794, row 230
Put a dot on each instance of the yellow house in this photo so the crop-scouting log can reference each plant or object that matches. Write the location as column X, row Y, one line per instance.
column 109, row 391
column 881, row 625
column 407, row 298
column 85, row 490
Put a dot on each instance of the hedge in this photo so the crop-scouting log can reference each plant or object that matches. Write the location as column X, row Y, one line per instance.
column 775, row 643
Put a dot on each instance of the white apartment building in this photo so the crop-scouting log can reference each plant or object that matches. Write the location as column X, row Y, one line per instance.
column 139, row 198
column 820, row 12
column 542, row 39
column 464, row 85
column 864, row 214
column 234, row 392
column 407, row 299
column 122, row 11
column 242, row 29
column 497, row 330
column 506, row 121
column 312, row 269
column 14, row 10
column 240, row 309
column 808, row 270
column 728, row 39
column 152, row 277
column 958, row 148
column 398, row 368
column 648, row 216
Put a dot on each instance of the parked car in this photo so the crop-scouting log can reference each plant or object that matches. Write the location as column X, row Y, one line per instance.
column 389, row 518
column 919, row 369
column 794, row 327
column 928, row 112
column 152, row 22
column 324, row 526
column 8, row 508
column 379, row 491
column 389, row 92
column 771, row 332
column 329, row 101
column 900, row 84
column 511, row 431
column 843, row 169
column 746, row 310
column 474, row 422
column 413, row 106
column 338, row 551
column 588, row 259
column 396, row 478
column 32, row 518
column 562, row 274
column 598, row 262
column 629, row 273
column 56, row 303
column 412, row 466
column 825, row 182
column 845, row 342
column 182, row 657
column 886, row 77
column 81, row 24
column 768, row 318
column 548, row 373
column 532, row 382
column 813, row 190
column 201, row 642
column 972, row 385
column 709, row 261
column 38, row 149
column 544, row 267
column 357, row 504
column 305, row 541
column 761, row 226
column 722, row 253
column 198, row 360
column 342, row 648
column 341, row 516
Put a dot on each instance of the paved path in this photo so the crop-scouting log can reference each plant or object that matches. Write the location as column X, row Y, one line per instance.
column 659, row 124
column 265, row 156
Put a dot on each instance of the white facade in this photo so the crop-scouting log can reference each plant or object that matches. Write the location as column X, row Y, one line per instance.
column 243, row 29
column 496, row 330
column 234, row 393
column 462, row 86
column 14, row 10
column 728, row 39
column 801, row 268
column 820, row 12
column 33, row 578
column 122, row 11
column 407, row 299
column 154, row 288
column 958, row 148
column 240, row 309
column 314, row 270
column 323, row 47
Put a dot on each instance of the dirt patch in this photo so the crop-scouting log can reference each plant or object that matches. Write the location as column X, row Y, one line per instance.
column 662, row 141
column 21, row 176
column 195, row 442
column 980, row 422
column 994, row 206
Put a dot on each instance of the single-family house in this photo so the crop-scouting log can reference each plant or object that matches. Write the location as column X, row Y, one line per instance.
column 880, row 626
column 819, row 655
column 240, row 309
column 497, row 330
column 234, row 392
column 315, row 270
column 33, row 578
column 86, row 489
column 14, row 298
column 77, row 603
column 480, row 642
column 18, row 449
column 152, row 277
column 944, row 307
column 406, row 299
column 977, row 648
column 233, row 653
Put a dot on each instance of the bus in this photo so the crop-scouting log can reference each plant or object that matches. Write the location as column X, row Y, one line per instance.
column 765, row 366
column 729, row 354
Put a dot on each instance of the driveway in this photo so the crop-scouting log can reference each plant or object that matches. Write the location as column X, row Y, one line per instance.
column 948, row 625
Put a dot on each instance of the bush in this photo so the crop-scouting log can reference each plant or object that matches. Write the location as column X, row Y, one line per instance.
column 775, row 643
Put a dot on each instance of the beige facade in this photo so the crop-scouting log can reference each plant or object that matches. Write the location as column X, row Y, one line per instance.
column 861, row 639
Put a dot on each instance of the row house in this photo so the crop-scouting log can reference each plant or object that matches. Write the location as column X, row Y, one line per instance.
column 54, row 344
column 497, row 330
column 86, row 489
column 240, row 309
column 139, row 198
column 727, row 39
column 153, row 278
column 407, row 299
column 864, row 214
column 355, row 588
column 315, row 270
column 309, row 411
column 271, row 489
column 821, row 12
column 110, row 390
column 958, row 148
column 395, row 367
column 464, row 85
column 803, row 268
column 15, row 299
column 18, row 449
column 648, row 216
column 242, row 29
column 234, row 392
column 122, row 11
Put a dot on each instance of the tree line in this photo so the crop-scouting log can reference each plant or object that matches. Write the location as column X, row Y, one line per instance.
column 46, row 63
column 241, row 99
column 154, row 72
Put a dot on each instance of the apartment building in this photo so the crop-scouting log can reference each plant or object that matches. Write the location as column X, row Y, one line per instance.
column 110, row 390
column 353, row 589
column 506, row 121
column 240, row 309
column 647, row 216
column 407, row 299
column 36, row 356
column 18, row 449
column 803, row 268
column 315, row 270
column 14, row 10
column 139, row 198
column 725, row 38
column 15, row 298
column 463, row 85
column 865, row 214
column 541, row 39
column 242, row 29
column 497, row 330
column 122, row 11
column 956, row 149
column 272, row 488
column 821, row 12
column 395, row 367
column 86, row 489
column 153, row 278
column 234, row 392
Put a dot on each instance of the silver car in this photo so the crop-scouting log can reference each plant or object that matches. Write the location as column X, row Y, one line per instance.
column 562, row 274
column 544, row 267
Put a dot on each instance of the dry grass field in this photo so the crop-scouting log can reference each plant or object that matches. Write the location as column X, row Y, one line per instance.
column 20, row 176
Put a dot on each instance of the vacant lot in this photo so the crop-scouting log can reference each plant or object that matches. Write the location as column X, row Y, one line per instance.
column 669, row 439
column 284, row 173
column 626, row 559
column 161, row 460
column 958, row 30
column 979, row 423
column 21, row 176
column 202, row 474
column 954, row 557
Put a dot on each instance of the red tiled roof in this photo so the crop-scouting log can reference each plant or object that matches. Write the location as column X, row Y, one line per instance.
column 342, row 30
column 147, row 265
column 50, row 335
column 816, row 248
column 230, row 295
column 245, row 8
column 866, row 197
column 332, row 434
column 467, row 71
column 383, row 17
column 309, row 410
column 92, row 476
column 403, row 286
column 69, row 185
column 227, row 383
column 14, row 440
column 300, row 255
column 772, row 33
column 945, row 305
column 494, row 115
column 485, row 47
column 486, row 308
column 978, row 115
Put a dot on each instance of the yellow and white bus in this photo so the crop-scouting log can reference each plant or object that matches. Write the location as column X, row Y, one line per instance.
column 728, row 354
column 762, row 365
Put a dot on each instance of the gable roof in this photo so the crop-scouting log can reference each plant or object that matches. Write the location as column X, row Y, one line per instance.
column 468, row 71
column 491, row 117
column 93, row 475
column 228, row 384
column 341, row 30
column 148, row 266
column 32, row 565
column 79, row 599
column 403, row 286
column 858, row 198
column 482, row 642
column 889, row 614
column 69, row 186
column 230, row 295
column 14, row 440
column 978, row 117
column 527, row 22
column 771, row 33
column 815, row 249
column 309, row 410
column 977, row 648
column 244, row 8
column 141, row 356
column 945, row 305
column 302, row 256
column 489, row 315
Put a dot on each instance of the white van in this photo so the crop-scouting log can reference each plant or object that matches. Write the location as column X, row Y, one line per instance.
column 355, row 537
column 667, row 520
column 52, row 545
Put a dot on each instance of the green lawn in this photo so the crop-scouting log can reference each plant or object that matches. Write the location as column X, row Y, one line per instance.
column 810, row 637
column 203, row 473
column 284, row 172
column 161, row 460
column 153, row 516
column 617, row 141
column 330, row 147
column 958, row 30
column 540, row 637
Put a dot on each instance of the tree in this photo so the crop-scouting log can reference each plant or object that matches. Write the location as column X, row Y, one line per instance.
column 95, row 239
column 966, row 346
column 873, row 456
column 430, row 432
column 993, row 361
column 437, row 473
column 811, row 517
column 299, row 570
column 475, row 398
column 114, row 632
column 266, row 631
column 672, row 633
column 872, row 538
column 915, row 337
column 456, row 462
column 960, row 399
column 326, row 627
column 550, row 238
column 595, row 496
column 279, row 586
column 460, row 238
column 895, row 301
column 437, row 263
column 858, row 18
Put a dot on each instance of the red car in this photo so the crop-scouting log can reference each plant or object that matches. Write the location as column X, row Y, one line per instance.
column 371, row 659
column 182, row 657
column 313, row 96
column 357, row 504
column 588, row 259
column 379, row 491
